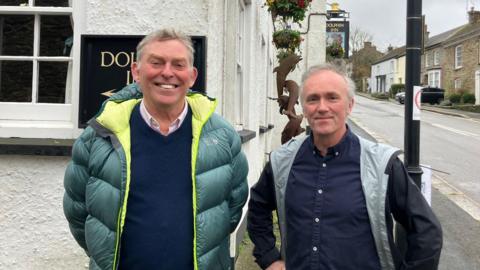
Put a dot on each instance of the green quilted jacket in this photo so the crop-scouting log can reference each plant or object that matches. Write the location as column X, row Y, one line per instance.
column 97, row 182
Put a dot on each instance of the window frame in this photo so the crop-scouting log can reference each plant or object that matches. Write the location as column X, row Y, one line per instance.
column 458, row 56
column 434, row 78
column 436, row 57
column 32, row 120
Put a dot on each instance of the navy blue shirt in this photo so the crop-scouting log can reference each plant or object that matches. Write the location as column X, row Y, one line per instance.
column 158, row 231
column 328, row 225
column 327, row 222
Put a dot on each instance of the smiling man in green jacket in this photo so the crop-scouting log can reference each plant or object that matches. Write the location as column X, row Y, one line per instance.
column 157, row 180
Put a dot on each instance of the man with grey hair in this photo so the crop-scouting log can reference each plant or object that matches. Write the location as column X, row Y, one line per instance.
column 335, row 194
column 157, row 180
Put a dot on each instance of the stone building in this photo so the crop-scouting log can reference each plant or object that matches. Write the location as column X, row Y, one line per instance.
column 361, row 61
column 41, row 100
column 462, row 58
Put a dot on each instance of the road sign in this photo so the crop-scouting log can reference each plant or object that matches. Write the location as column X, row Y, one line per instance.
column 417, row 102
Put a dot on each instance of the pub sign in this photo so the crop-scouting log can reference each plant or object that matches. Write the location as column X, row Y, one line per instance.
column 105, row 68
column 338, row 32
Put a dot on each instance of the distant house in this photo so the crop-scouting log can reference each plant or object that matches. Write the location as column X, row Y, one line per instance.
column 387, row 70
column 361, row 62
column 433, row 59
column 461, row 65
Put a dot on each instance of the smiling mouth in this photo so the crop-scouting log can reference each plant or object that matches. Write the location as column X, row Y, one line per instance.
column 166, row 86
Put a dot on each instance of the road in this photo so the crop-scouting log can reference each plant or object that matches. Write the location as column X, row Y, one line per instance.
column 382, row 120
column 451, row 145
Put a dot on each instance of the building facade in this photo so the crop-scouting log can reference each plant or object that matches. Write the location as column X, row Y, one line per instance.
column 40, row 99
column 462, row 58
column 388, row 70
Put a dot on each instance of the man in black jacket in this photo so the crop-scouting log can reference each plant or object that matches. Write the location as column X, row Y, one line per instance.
column 336, row 193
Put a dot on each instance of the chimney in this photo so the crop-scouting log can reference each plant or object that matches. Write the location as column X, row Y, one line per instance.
column 473, row 16
column 390, row 48
column 367, row 44
column 426, row 34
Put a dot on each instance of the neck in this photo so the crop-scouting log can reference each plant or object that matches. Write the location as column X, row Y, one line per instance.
column 323, row 142
column 165, row 115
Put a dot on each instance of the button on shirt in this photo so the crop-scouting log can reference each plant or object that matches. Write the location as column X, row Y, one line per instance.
column 151, row 122
column 328, row 225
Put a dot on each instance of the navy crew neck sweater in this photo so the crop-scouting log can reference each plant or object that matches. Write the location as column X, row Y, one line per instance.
column 158, row 231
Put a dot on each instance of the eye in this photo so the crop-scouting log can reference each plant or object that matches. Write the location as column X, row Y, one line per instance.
column 180, row 65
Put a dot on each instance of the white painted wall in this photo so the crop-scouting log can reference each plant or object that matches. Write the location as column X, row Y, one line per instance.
column 379, row 69
column 34, row 233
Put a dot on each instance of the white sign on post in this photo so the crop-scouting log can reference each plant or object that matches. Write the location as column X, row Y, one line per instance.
column 426, row 187
column 417, row 102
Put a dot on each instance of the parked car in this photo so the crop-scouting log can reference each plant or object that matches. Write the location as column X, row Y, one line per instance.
column 400, row 97
column 432, row 95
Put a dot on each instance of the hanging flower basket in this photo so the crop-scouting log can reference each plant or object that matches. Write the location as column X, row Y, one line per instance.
column 335, row 50
column 287, row 39
column 288, row 9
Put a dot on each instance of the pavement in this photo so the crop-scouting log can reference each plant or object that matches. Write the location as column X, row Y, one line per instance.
column 461, row 233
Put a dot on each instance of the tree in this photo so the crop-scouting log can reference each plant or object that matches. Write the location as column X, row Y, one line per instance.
column 358, row 37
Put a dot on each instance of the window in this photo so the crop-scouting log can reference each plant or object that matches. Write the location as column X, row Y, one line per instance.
column 241, row 64
column 458, row 56
column 457, row 84
column 36, row 40
column 427, row 59
column 434, row 78
column 392, row 66
column 436, row 57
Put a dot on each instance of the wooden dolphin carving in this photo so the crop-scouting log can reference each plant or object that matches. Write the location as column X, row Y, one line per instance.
column 286, row 66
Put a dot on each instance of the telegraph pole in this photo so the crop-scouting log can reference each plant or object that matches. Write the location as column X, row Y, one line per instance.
column 412, row 77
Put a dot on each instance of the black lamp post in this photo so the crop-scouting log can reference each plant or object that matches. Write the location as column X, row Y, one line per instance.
column 412, row 77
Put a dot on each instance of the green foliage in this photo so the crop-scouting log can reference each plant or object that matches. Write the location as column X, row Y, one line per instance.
column 468, row 98
column 334, row 50
column 396, row 88
column 287, row 39
column 455, row 98
column 288, row 9
column 467, row 108
column 380, row 95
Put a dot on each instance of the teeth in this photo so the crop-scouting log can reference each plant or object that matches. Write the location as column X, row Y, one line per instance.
column 167, row 86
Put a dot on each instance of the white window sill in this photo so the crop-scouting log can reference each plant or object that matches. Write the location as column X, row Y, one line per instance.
column 38, row 129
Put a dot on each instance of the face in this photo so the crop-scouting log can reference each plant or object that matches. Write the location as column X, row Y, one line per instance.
column 164, row 74
column 326, row 104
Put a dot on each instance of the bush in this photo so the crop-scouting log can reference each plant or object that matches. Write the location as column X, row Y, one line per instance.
column 455, row 98
column 380, row 95
column 445, row 102
column 468, row 98
column 396, row 88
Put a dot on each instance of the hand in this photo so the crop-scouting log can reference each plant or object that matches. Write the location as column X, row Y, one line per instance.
column 277, row 265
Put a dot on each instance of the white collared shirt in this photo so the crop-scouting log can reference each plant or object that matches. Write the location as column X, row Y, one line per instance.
column 152, row 123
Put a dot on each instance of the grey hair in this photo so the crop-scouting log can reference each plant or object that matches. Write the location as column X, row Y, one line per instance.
column 164, row 35
column 336, row 68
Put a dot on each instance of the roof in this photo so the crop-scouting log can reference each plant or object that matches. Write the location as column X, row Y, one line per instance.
column 465, row 31
column 395, row 53
column 437, row 39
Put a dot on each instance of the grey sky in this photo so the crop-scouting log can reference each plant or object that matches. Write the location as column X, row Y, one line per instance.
column 386, row 19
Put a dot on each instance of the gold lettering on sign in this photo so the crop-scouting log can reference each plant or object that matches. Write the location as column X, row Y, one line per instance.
column 121, row 59
column 129, row 77
column 108, row 55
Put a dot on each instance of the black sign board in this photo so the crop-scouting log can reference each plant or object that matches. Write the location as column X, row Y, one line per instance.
column 339, row 32
column 105, row 66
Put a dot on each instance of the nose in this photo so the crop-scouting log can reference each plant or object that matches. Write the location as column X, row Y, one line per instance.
column 167, row 71
column 322, row 105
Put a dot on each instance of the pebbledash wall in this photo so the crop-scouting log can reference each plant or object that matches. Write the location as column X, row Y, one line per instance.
column 239, row 62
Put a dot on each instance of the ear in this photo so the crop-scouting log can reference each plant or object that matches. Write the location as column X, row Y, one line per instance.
column 193, row 76
column 134, row 68
column 351, row 102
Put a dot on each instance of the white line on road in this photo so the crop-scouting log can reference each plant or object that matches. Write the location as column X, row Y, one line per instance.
column 461, row 132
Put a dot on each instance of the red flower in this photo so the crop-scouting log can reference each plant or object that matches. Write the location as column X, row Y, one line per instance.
column 301, row 3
